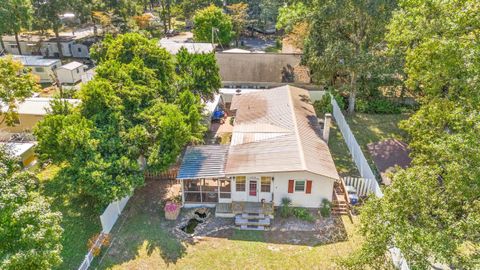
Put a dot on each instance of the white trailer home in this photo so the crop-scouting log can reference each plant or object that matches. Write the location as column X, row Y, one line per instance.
column 43, row 68
column 71, row 73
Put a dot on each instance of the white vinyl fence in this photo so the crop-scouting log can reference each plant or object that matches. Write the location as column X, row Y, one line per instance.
column 108, row 219
column 368, row 183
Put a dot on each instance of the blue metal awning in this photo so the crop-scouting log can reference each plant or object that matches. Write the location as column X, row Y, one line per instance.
column 203, row 161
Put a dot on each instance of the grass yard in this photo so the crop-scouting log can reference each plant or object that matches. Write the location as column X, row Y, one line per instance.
column 141, row 240
column 79, row 221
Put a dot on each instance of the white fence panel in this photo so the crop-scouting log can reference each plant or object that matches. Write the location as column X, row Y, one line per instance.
column 355, row 150
column 366, row 172
column 111, row 214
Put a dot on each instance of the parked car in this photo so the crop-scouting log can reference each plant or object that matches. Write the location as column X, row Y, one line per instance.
column 352, row 194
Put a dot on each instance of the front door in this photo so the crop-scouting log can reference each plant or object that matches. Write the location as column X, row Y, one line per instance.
column 252, row 190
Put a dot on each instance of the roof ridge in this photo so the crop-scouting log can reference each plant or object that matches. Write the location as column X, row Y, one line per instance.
column 295, row 126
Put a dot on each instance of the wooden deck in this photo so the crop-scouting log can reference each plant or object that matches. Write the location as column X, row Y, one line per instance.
column 236, row 208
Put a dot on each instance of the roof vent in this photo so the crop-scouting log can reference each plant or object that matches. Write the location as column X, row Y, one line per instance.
column 239, row 92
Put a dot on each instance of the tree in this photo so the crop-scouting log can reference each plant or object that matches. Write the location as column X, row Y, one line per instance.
column 294, row 19
column 345, row 38
column 211, row 25
column 134, row 115
column 16, row 85
column 431, row 212
column 15, row 15
column 239, row 15
column 198, row 73
column 48, row 16
column 30, row 232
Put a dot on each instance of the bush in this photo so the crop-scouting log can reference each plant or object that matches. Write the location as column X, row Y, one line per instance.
column 326, row 208
column 286, row 207
column 303, row 214
column 323, row 105
column 381, row 106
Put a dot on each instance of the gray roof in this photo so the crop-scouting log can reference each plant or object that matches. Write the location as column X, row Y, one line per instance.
column 203, row 161
column 192, row 47
column 29, row 60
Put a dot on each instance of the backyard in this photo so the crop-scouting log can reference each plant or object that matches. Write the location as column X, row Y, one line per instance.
column 142, row 239
column 367, row 128
column 79, row 221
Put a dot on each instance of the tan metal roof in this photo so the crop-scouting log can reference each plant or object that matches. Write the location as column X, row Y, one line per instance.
column 275, row 131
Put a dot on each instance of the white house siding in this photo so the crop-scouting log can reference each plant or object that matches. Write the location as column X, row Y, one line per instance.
column 66, row 76
column 80, row 51
column 322, row 188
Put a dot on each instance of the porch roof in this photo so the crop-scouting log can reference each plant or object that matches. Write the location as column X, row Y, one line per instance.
column 203, row 161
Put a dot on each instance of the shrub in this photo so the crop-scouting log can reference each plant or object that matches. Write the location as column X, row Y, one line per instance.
column 380, row 105
column 303, row 214
column 286, row 207
column 323, row 105
column 326, row 208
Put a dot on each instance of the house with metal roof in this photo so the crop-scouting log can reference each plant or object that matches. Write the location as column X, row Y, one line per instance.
column 276, row 151
column 71, row 73
column 41, row 67
column 30, row 111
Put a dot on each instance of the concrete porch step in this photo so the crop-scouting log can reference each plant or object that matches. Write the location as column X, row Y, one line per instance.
column 253, row 216
column 239, row 220
column 252, row 228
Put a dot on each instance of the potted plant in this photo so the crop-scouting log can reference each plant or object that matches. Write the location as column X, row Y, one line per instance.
column 172, row 210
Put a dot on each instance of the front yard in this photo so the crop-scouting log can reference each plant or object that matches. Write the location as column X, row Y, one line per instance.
column 143, row 239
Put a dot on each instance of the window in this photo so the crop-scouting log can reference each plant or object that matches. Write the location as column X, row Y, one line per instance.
column 240, row 183
column 13, row 46
column 265, row 181
column 79, row 49
column 39, row 69
column 78, row 70
column 300, row 185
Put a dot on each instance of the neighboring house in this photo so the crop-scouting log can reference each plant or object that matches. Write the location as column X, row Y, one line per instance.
column 192, row 47
column 77, row 45
column 43, row 68
column 88, row 75
column 276, row 151
column 30, row 112
column 261, row 68
column 71, row 73
column 24, row 151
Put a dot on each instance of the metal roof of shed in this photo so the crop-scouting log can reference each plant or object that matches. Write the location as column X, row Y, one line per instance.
column 203, row 161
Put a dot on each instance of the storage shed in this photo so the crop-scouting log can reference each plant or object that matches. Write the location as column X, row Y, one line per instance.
column 71, row 73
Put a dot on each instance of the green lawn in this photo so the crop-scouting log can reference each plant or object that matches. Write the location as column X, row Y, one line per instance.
column 142, row 239
column 79, row 220
column 367, row 128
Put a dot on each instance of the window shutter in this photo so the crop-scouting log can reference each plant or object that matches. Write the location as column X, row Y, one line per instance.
column 309, row 187
column 291, row 183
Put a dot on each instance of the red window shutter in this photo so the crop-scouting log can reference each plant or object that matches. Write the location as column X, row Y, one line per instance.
column 309, row 187
column 290, row 186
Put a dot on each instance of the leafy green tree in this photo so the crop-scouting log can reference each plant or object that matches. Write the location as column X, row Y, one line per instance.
column 211, row 21
column 15, row 15
column 48, row 16
column 345, row 38
column 239, row 15
column 16, row 85
column 134, row 115
column 198, row 73
column 432, row 209
column 30, row 231
column 189, row 7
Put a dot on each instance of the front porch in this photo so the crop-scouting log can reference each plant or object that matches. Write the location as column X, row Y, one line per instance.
column 238, row 208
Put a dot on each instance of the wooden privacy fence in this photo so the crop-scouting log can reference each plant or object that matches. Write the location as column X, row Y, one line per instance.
column 171, row 174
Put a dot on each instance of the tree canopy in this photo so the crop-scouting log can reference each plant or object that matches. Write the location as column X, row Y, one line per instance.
column 346, row 39
column 15, row 15
column 17, row 83
column 137, row 111
column 212, row 21
column 432, row 209
column 30, row 231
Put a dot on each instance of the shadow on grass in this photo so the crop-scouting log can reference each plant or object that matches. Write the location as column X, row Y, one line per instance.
column 79, row 220
column 142, row 231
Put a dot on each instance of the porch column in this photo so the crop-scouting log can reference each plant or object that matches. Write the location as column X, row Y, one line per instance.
column 183, row 192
